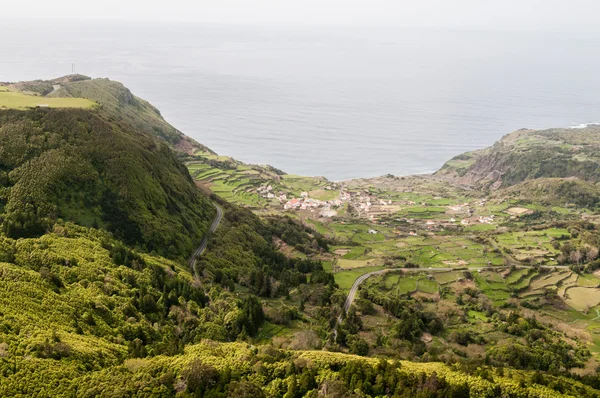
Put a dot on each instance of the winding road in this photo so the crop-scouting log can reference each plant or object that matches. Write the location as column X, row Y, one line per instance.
column 354, row 288
column 202, row 247
column 352, row 293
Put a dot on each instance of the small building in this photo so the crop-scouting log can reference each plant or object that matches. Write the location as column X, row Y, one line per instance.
column 292, row 204
column 372, row 231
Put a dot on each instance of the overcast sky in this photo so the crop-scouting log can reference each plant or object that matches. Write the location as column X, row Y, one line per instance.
column 512, row 14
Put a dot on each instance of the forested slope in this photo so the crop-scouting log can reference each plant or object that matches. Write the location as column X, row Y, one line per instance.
column 83, row 167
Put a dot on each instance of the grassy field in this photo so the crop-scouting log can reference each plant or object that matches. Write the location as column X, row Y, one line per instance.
column 16, row 100
column 437, row 251
column 428, row 286
column 322, row 194
column 447, row 277
column 587, row 280
column 395, row 284
column 496, row 291
column 406, row 284
column 582, row 298
column 348, row 252
column 345, row 279
column 350, row 264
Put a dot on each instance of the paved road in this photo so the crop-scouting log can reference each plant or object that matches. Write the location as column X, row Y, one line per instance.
column 352, row 293
column 204, row 242
column 357, row 282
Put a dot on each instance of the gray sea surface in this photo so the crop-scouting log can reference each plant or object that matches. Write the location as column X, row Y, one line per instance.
column 340, row 102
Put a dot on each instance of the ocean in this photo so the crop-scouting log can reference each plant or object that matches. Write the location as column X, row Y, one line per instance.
column 340, row 102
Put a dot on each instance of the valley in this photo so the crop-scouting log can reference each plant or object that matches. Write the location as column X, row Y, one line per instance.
column 135, row 261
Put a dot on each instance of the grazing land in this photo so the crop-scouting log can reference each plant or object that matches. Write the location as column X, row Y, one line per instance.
column 17, row 100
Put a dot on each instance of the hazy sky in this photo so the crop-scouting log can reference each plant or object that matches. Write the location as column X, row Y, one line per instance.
column 511, row 14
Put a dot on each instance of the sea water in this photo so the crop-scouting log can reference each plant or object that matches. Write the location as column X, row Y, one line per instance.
column 341, row 102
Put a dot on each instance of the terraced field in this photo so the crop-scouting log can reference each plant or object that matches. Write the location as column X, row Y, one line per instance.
column 550, row 280
column 533, row 246
column 237, row 185
column 444, row 278
column 445, row 252
column 396, row 284
column 582, row 298
column 588, row 280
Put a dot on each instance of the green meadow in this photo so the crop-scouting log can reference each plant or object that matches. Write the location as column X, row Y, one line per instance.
column 16, row 100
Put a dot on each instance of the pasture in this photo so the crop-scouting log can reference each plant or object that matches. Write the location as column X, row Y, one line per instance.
column 396, row 284
column 345, row 279
column 582, row 298
column 16, row 100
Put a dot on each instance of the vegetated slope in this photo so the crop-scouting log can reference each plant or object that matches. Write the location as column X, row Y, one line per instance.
column 120, row 103
column 77, row 306
column 570, row 191
column 81, row 166
column 242, row 252
column 77, row 301
column 528, row 154
column 239, row 370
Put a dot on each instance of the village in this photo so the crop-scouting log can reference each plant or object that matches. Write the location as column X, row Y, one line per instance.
column 369, row 206
column 305, row 202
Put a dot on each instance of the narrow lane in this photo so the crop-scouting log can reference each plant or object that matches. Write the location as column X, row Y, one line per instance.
column 202, row 247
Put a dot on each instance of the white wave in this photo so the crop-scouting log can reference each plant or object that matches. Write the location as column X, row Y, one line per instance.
column 584, row 125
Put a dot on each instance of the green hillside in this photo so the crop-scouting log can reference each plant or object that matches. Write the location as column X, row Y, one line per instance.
column 571, row 192
column 530, row 154
column 240, row 370
column 83, row 167
column 117, row 101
